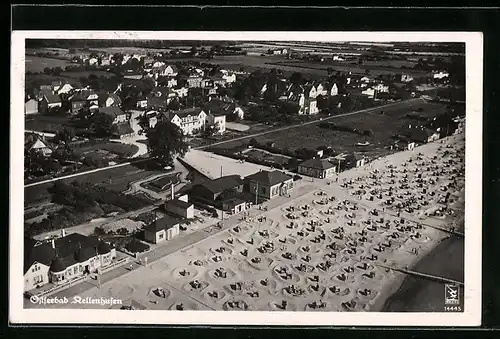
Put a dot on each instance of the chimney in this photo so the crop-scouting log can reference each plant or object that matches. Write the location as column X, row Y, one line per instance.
column 172, row 190
column 63, row 233
column 53, row 244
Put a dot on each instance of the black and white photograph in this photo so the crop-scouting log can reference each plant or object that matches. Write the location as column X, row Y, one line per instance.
column 285, row 175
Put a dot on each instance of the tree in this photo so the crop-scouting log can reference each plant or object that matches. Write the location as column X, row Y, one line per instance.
column 64, row 135
column 166, row 141
column 101, row 124
column 57, row 71
column 297, row 78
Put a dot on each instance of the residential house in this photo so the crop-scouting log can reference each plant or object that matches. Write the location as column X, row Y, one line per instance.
column 218, row 120
column 310, row 103
column 207, row 83
column 381, row 88
column 113, row 99
column 406, row 78
column 334, row 90
column 160, row 97
column 105, row 62
column 83, row 98
column 268, row 185
column 322, row 89
column 93, row 61
column 142, row 102
column 35, row 144
column 218, row 81
column 161, row 230
column 49, row 102
column 181, row 91
column 115, row 112
column 152, row 118
column 228, row 108
column 317, row 168
column 229, row 77
column 64, row 259
column 194, row 81
column 225, row 193
column 370, row 92
column 180, row 207
column 171, row 70
column 190, row 120
column 440, row 74
column 31, row 107
column 122, row 130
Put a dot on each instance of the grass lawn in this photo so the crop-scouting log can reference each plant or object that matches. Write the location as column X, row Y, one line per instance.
column 46, row 123
column 37, row 64
column 120, row 175
column 77, row 75
column 384, row 126
column 122, row 150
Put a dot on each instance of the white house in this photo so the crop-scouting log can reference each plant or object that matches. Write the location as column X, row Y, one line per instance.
column 381, row 88
column 171, row 70
column 64, row 259
column 181, row 91
column 229, row 78
column 370, row 92
column 93, row 62
column 161, row 230
column 338, row 58
column 406, row 78
column 63, row 89
column 440, row 75
column 113, row 100
column 218, row 120
column 322, row 89
column 334, row 90
column 190, row 121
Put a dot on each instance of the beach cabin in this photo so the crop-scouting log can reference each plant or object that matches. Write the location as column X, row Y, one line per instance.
column 162, row 229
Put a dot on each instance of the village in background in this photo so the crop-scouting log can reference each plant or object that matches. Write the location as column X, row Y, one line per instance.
column 321, row 172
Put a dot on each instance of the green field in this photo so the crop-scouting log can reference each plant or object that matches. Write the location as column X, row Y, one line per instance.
column 116, row 178
column 122, row 150
column 37, row 64
column 383, row 126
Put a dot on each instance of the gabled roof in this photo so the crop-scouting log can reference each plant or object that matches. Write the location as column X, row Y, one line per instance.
column 317, row 163
column 164, row 223
column 173, row 67
column 269, row 178
column 116, row 98
column 222, row 184
column 69, row 250
column 216, row 106
column 82, row 95
column 186, row 112
column 52, row 98
column 162, row 91
column 122, row 129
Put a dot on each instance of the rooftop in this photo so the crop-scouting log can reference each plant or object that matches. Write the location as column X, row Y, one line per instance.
column 164, row 223
column 179, row 203
column 269, row 178
column 222, row 183
column 317, row 163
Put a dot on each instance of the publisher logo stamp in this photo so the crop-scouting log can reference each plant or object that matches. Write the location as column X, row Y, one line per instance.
column 451, row 294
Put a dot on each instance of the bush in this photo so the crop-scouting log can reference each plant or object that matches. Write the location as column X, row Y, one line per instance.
column 122, row 231
column 99, row 231
column 135, row 246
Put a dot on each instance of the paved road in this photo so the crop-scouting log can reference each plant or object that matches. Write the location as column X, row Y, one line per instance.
column 236, row 139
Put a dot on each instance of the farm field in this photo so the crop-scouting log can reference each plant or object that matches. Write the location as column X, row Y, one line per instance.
column 312, row 136
column 37, row 64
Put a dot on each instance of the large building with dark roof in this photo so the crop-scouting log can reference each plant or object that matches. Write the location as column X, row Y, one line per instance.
column 317, row 168
column 268, row 185
column 63, row 259
column 225, row 193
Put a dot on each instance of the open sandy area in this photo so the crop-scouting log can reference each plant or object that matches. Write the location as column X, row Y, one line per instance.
column 331, row 249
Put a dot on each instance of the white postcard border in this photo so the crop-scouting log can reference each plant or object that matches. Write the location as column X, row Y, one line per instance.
column 473, row 192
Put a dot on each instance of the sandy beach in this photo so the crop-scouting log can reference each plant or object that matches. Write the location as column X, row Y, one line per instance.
column 330, row 246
